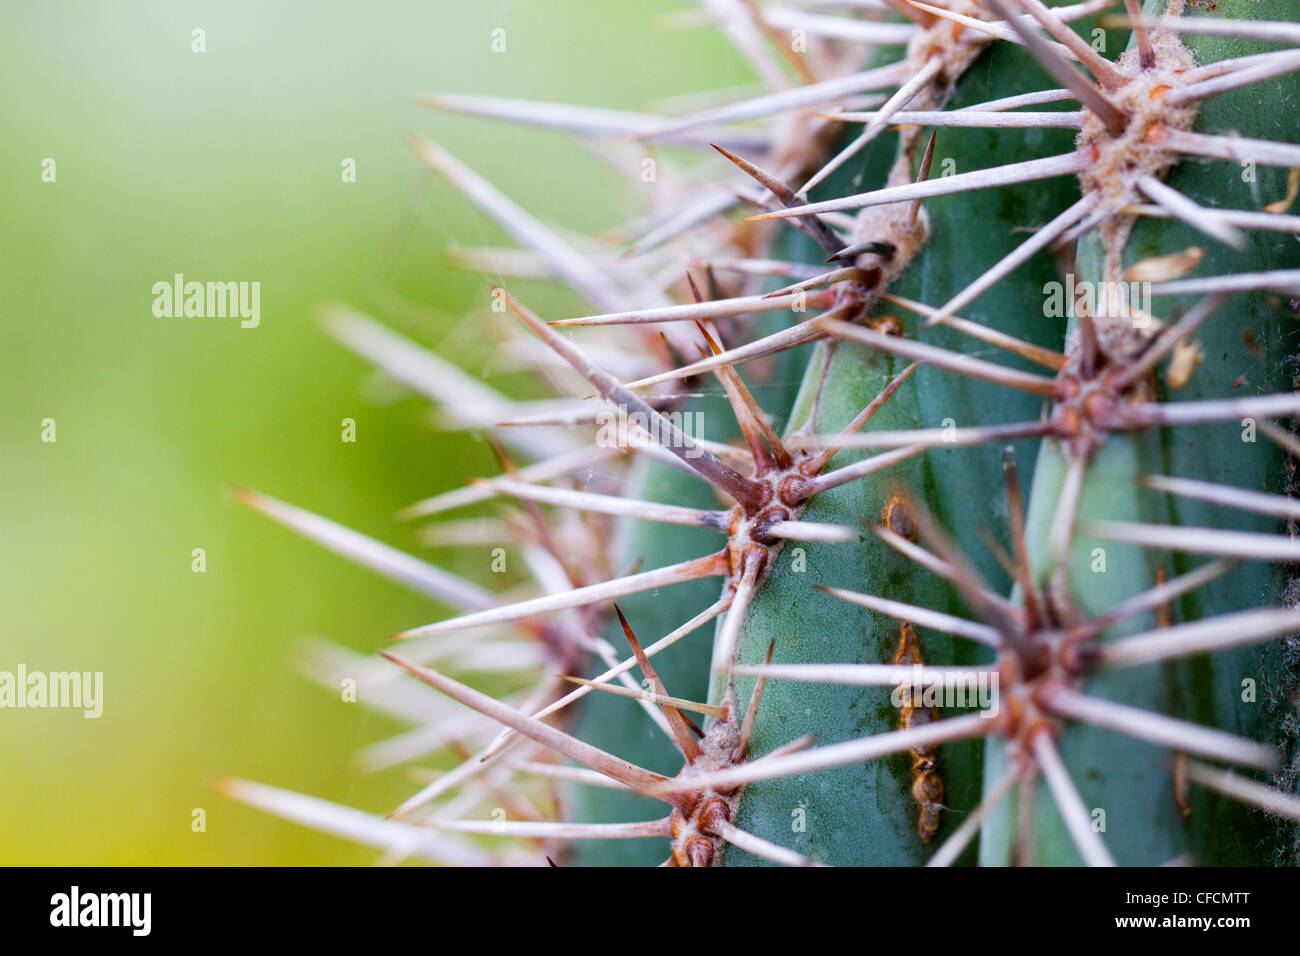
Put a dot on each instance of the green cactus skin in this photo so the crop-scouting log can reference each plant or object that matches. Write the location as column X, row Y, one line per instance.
column 1102, row 763
column 811, row 627
column 1129, row 780
column 822, row 815
column 1216, row 453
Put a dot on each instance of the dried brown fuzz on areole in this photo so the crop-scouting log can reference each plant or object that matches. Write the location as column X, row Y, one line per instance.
column 897, row 517
column 927, row 785
column 1120, row 161
column 696, row 840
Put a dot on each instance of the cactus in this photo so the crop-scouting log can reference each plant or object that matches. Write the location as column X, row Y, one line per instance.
column 987, row 515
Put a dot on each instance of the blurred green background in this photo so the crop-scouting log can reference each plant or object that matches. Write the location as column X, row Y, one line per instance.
column 225, row 165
